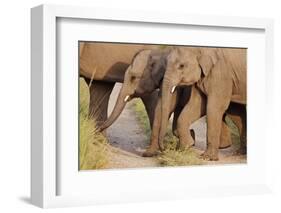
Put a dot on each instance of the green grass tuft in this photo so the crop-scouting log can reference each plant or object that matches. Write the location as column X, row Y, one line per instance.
column 235, row 135
column 141, row 116
column 93, row 148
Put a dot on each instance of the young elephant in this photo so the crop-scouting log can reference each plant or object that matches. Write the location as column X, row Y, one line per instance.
column 144, row 76
column 220, row 74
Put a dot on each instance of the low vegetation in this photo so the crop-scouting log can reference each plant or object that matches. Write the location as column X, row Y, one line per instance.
column 93, row 146
column 94, row 150
column 141, row 116
column 171, row 156
column 235, row 136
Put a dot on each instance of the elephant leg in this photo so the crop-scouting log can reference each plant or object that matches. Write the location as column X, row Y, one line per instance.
column 190, row 113
column 225, row 137
column 99, row 98
column 153, row 148
column 150, row 102
column 215, row 112
column 175, row 119
column 177, row 113
column 196, row 108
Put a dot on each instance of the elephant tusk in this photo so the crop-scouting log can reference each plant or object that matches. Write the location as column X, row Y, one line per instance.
column 173, row 89
column 126, row 98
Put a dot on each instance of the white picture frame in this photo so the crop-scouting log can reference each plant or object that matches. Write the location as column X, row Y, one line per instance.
column 44, row 155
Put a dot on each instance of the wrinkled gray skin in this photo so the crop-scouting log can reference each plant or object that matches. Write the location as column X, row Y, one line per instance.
column 218, row 73
column 104, row 64
column 144, row 76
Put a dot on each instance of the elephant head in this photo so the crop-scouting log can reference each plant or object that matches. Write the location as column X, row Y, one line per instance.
column 143, row 76
column 185, row 66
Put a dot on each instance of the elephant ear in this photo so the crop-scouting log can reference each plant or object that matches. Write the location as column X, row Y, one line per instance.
column 138, row 63
column 158, row 70
column 206, row 63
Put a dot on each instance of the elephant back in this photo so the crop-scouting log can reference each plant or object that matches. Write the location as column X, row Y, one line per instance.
column 107, row 61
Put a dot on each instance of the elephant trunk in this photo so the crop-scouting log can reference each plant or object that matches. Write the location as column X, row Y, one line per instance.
column 167, row 90
column 122, row 99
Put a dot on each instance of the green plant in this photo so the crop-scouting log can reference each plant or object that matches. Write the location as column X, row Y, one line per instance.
column 93, row 148
column 235, row 135
column 141, row 116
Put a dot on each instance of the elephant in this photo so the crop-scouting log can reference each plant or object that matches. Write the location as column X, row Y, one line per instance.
column 220, row 75
column 104, row 64
column 143, row 77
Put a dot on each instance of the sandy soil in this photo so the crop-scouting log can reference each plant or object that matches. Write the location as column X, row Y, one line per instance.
column 225, row 155
column 127, row 141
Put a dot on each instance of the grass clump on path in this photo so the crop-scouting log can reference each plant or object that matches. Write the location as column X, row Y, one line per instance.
column 93, row 151
column 93, row 146
column 173, row 157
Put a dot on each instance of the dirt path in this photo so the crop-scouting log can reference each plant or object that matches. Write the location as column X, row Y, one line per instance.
column 128, row 141
column 225, row 155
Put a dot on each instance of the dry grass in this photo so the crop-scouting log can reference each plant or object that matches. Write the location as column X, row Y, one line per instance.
column 173, row 157
column 179, row 158
column 92, row 144
column 93, row 152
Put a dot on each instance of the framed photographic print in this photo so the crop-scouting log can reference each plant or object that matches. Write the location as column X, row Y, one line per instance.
column 151, row 106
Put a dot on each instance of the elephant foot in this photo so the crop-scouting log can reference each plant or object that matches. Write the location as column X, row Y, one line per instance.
column 241, row 151
column 150, row 152
column 185, row 146
column 192, row 133
column 225, row 142
column 161, row 147
column 210, row 155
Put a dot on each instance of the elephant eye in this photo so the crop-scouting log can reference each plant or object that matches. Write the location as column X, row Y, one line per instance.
column 181, row 66
column 133, row 78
